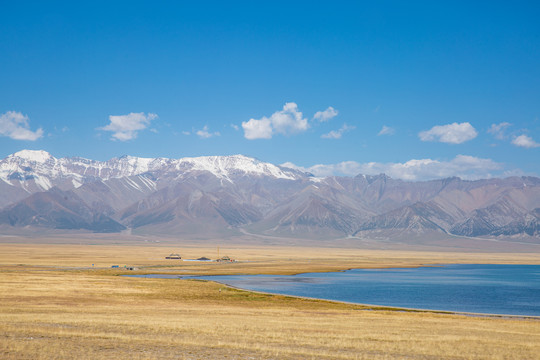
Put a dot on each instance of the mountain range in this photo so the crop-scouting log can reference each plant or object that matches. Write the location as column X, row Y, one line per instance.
column 239, row 195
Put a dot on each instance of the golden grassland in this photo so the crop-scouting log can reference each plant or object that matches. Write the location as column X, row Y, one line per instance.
column 54, row 305
column 252, row 259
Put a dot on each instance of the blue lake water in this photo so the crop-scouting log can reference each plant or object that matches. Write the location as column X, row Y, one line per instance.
column 492, row 289
column 489, row 289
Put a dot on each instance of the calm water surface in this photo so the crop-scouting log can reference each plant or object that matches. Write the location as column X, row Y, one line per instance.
column 491, row 289
column 494, row 289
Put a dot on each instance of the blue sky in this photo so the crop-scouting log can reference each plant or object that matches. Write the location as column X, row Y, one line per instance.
column 417, row 90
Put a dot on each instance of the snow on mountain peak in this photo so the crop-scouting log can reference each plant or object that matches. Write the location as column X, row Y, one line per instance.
column 226, row 166
column 40, row 156
column 37, row 169
column 132, row 165
column 25, row 168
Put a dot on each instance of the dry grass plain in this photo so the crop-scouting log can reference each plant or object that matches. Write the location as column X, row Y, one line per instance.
column 54, row 305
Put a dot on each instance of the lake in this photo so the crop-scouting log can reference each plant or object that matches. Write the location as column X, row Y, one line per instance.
column 488, row 289
column 492, row 289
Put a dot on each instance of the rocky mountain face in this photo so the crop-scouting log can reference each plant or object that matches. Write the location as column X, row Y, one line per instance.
column 233, row 194
column 57, row 209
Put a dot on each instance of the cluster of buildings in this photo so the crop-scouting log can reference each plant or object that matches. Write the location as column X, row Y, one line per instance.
column 221, row 259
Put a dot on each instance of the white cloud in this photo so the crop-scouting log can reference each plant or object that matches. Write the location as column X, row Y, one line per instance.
column 498, row 130
column 386, row 130
column 257, row 129
column 15, row 125
column 525, row 141
column 452, row 133
column 336, row 134
column 287, row 121
column 186, row 132
column 125, row 127
column 205, row 134
column 326, row 115
column 463, row 166
column 235, row 127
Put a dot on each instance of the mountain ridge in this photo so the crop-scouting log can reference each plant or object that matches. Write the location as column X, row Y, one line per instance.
column 232, row 193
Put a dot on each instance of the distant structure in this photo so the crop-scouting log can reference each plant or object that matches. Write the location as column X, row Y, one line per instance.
column 204, row 258
column 173, row 257
column 225, row 259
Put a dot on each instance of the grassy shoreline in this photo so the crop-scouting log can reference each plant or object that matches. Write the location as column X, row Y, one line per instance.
column 390, row 308
column 50, row 312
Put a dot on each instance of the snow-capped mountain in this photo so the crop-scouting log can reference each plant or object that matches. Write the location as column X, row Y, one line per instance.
column 237, row 194
column 37, row 170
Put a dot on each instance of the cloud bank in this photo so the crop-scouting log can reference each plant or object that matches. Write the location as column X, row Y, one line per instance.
column 287, row 121
column 499, row 130
column 386, row 130
column 525, row 141
column 126, row 127
column 205, row 134
column 464, row 166
column 15, row 125
column 336, row 134
column 325, row 115
column 451, row 134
